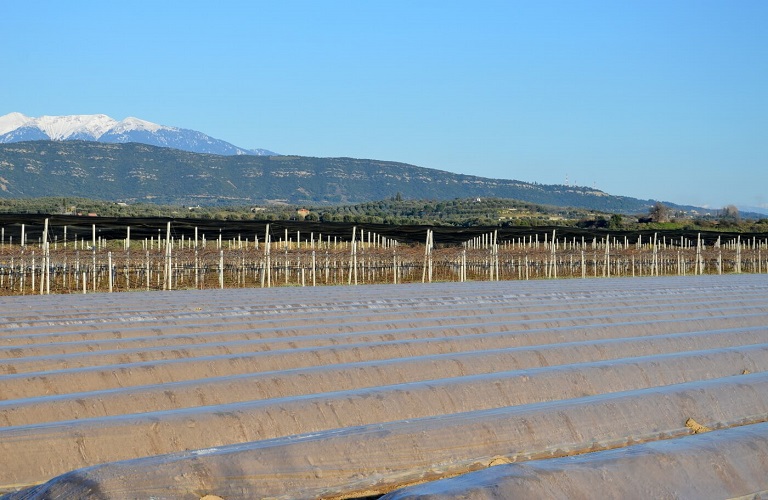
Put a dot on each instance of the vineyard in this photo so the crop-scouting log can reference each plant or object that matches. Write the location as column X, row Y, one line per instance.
column 67, row 256
column 647, row 387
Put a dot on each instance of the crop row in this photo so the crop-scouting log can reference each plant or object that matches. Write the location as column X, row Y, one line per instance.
column 343, row 392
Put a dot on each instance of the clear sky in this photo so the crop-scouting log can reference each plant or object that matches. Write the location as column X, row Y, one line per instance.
column 654, row 99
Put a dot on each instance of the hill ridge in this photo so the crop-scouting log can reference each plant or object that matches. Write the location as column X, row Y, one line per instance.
column 134, row 172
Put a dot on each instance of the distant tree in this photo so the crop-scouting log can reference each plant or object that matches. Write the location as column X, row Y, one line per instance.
column 600, row 222
column 615, row 222
column 730, row 211
column 729, row 215
column 659, row 212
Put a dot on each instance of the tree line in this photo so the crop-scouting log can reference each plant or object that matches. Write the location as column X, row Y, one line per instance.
column 464, row 212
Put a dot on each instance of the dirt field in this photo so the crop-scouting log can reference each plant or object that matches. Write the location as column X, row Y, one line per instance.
column 352, row 391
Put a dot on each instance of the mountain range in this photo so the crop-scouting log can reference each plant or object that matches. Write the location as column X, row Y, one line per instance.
column 16, row 127
column 134, row 160
column 134, row 172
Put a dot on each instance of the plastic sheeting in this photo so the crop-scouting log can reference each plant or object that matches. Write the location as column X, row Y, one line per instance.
column 349, row 391
column 722, row 464
column 376, row 458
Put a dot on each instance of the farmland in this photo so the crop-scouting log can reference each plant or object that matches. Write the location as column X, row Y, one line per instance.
column 355, row 391
column 42, row 255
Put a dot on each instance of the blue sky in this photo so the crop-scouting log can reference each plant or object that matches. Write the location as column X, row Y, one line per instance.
column 665, row 100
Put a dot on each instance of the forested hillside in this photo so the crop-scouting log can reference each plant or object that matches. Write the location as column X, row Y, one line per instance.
column 139, row 173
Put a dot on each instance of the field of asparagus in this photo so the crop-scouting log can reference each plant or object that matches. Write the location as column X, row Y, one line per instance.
column 648, row 387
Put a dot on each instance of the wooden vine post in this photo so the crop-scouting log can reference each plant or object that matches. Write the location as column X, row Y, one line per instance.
column 167, row 284
column 427, row 269
column 353, row 258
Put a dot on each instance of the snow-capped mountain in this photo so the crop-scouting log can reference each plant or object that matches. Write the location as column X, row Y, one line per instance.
column 15, row 127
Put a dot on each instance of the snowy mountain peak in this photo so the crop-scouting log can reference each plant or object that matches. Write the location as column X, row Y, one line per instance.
column 60, row 128
column 132, row 123
column 16, row 127
column 12, row 121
